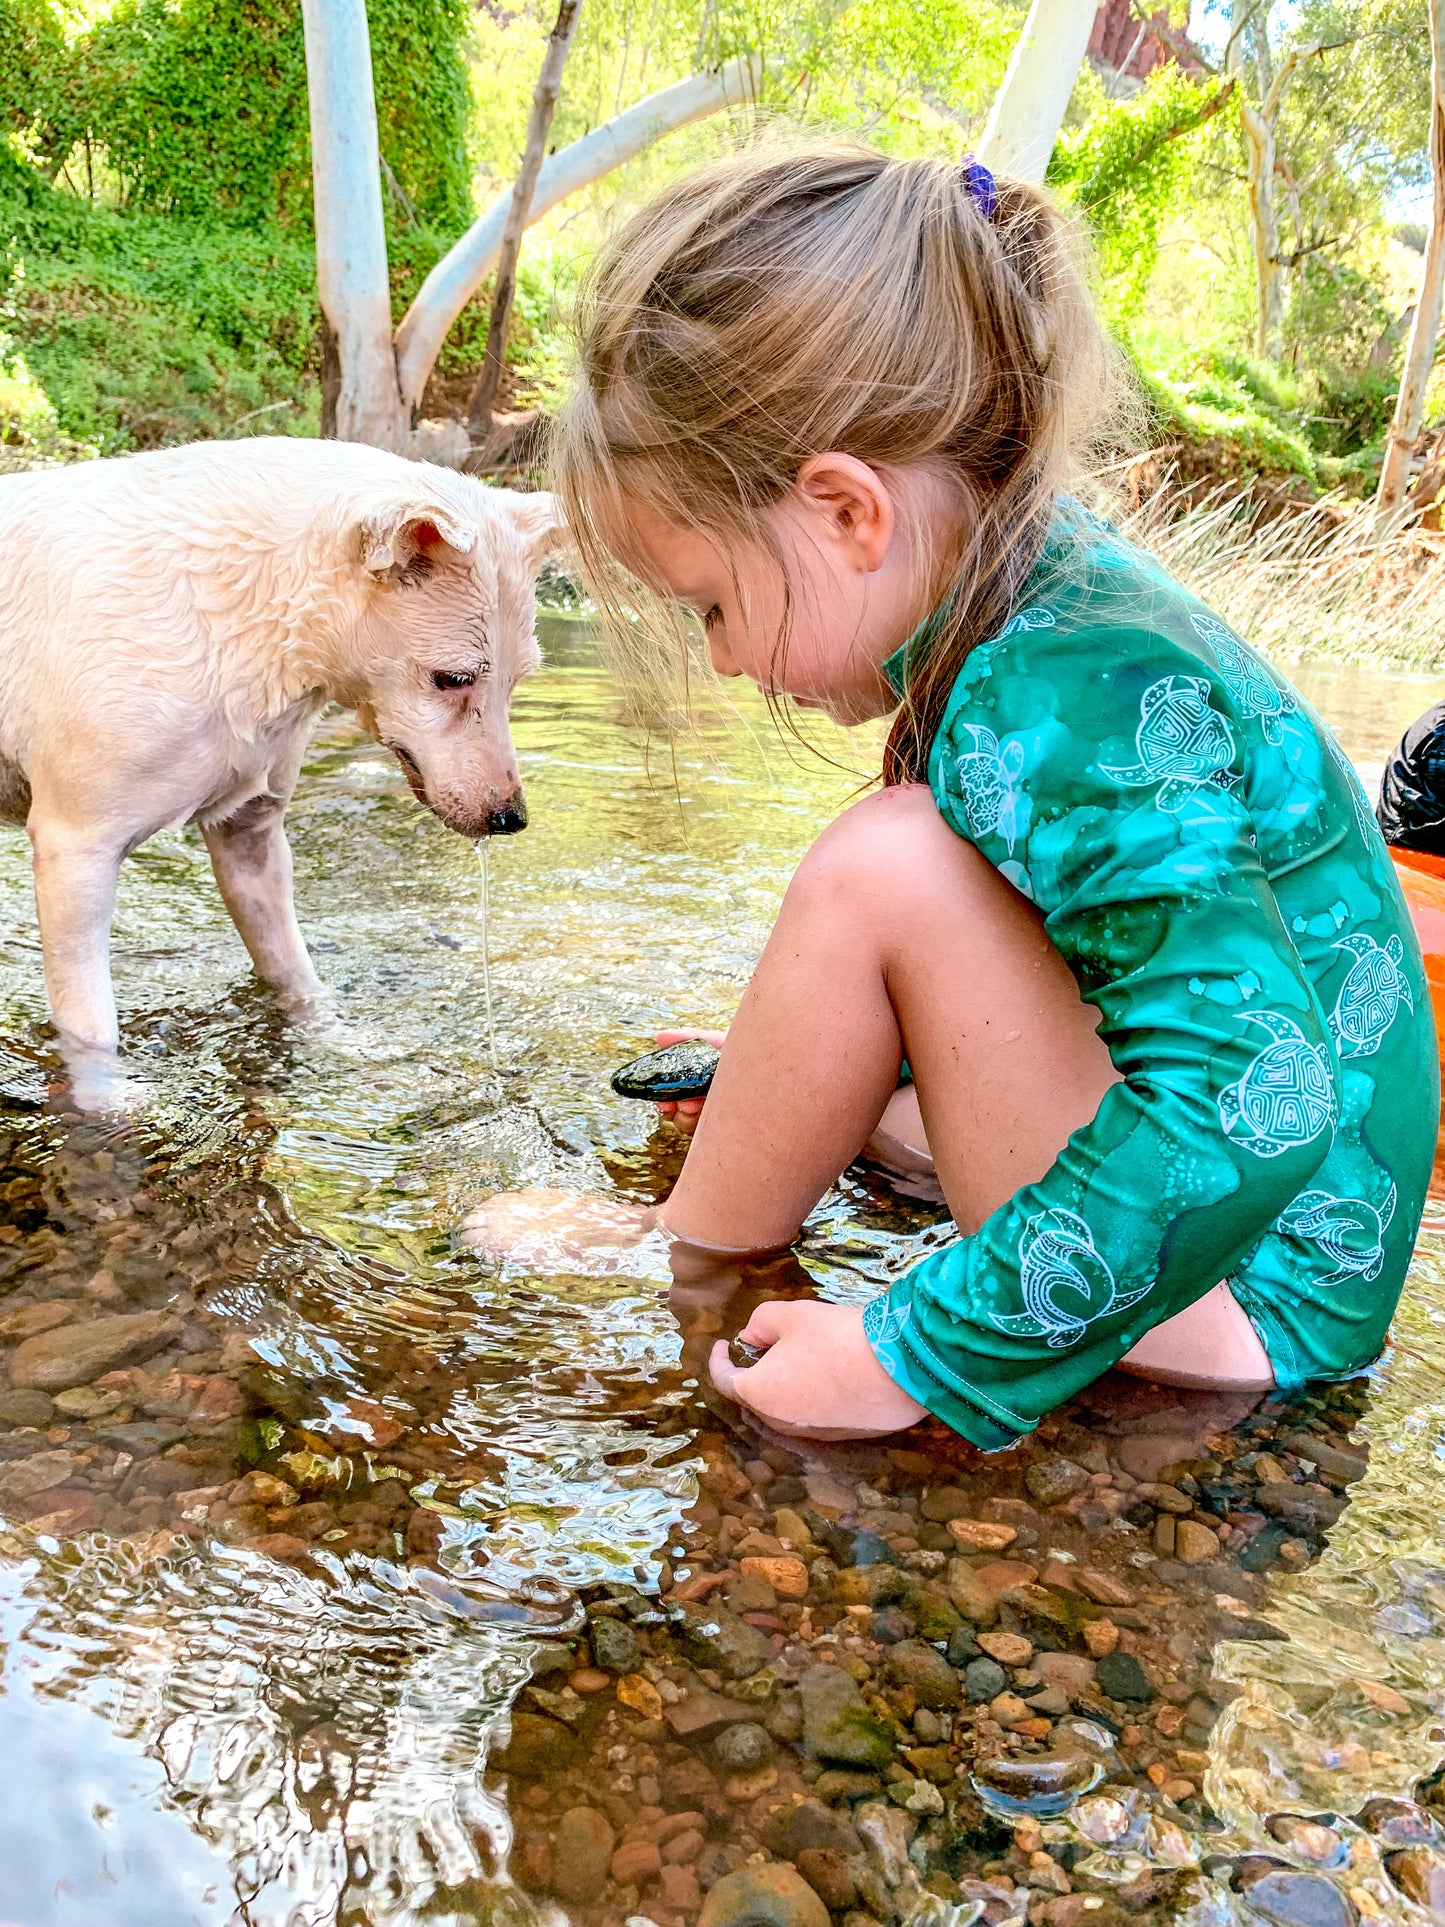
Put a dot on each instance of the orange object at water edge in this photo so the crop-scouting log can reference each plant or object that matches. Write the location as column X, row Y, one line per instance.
column 1423, row 880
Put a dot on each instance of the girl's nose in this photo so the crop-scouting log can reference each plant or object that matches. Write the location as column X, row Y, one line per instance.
column 722, row 657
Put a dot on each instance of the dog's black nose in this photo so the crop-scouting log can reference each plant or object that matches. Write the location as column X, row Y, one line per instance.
column 508, row 820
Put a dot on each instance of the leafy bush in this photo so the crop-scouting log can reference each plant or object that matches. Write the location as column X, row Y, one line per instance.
column 142, row 329
column 198, row 107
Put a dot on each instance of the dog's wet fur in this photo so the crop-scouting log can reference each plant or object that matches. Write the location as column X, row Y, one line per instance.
column 172, row 624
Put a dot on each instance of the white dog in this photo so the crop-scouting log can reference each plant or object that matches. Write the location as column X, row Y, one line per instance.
column 170, row 627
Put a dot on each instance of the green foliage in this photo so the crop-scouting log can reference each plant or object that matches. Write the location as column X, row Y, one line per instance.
column 137, row 329
column 198, row 107
column 1124, row 169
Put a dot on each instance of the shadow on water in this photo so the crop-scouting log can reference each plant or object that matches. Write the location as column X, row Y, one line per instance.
column 311, row 1523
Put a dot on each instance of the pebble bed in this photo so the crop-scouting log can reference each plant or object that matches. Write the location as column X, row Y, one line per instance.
column 871, row 1685
column 957, row 1692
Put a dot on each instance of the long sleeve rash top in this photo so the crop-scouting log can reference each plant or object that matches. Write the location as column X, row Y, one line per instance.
column 1210, row 871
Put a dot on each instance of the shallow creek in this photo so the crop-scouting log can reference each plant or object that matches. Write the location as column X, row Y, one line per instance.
column 305, row 1515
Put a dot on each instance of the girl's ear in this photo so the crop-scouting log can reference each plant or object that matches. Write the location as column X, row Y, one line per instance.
column 855, row 502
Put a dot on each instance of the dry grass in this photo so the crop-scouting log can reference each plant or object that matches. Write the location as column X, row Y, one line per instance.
column 1303, row 581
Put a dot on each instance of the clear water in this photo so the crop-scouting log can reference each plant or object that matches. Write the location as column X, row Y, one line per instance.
column 195, row 1731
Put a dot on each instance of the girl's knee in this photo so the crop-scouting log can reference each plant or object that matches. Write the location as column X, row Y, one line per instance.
column 890, row 845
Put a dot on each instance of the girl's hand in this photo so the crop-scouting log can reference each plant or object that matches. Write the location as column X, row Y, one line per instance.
column 683, row 1113
column 820, row 1379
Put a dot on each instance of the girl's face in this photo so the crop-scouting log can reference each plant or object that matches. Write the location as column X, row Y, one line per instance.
column 854, row 546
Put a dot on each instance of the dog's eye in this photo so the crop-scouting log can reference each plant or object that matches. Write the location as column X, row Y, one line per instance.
column 453, row 678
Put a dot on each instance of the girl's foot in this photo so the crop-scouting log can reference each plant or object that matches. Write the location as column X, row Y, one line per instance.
column 569, row 1231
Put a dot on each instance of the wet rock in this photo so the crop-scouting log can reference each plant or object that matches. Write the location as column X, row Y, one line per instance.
column 846, row 1783
column 962, row 1647
column 1305, row 1509
column 1070, row 1673
column 1145, row 1457
column 837, row 1723
column 614, row 1646
column 934, row 1615
column 982, row 1535
column 1035, row 1783
column 975, row 1600
column 1009, row 1649
column 25, row 1479
column 24, row 1408
column 1419, row 1873
column 1103, row 1588
column 744, row 1747
column 702, row 1714
column 1263, row 1549
column 912, row 1662
column 772, row 1895
column 1307, row 1839
column 787, row 1576
column 869, row 1585
column 712, row 1636
column 1288, row 1898
column 74, row 1354
column 689, row 1784
column 830, row 1875
column 810, row 1825
column 1121, row 1677
column 1399, row 1823
column 1052, row 1481
column 635, row 1863
column 1194, row 1543
column 866, row 1549
column 1347, row 1468
column 28, row 1321
column 582, row 1854
column 1103, row 1820
column 886, row 1833
column 941, row 1503
column 537, row 1749
column 983, row 1680
column 1164, row 1498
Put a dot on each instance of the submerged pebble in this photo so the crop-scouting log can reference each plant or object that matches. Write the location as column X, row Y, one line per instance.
column 1035, row 1783
column 1309, row 1839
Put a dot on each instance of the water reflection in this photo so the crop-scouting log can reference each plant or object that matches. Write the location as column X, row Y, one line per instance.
column 299, row 1497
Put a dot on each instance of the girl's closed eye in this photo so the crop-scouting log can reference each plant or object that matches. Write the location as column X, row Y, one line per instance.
column 712, row 618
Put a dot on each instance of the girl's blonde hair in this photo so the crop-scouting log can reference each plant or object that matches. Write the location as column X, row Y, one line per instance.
column 778, row 305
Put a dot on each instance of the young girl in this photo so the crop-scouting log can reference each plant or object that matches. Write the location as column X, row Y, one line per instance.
column 1121, row 904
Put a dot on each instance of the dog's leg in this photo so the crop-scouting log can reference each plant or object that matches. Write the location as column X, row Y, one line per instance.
column 75, row 876
column 252, row 862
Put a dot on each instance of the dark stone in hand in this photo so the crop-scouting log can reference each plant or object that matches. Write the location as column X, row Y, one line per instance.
column 663, row 1076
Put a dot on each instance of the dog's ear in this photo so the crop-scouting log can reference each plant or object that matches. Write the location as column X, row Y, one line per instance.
column 405, row 542
column 537, row 518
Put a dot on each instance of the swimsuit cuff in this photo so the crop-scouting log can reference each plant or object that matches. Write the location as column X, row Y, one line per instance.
column 891, row 1333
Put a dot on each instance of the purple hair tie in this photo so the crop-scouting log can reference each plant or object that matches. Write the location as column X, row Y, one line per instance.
column 981, row 186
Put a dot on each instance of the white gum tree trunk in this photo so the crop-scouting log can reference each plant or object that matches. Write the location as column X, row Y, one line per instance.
column 351, row 269
column 461, row 271
column 1420, row 352
column 1028, row 110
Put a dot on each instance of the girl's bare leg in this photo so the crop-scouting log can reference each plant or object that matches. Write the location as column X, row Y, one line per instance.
column 897, row 937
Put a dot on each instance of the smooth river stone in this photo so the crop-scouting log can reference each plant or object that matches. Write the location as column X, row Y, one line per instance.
column 1287, row 1898
column 1035, row 1783
column 75, row 1354
column 1420, row 1876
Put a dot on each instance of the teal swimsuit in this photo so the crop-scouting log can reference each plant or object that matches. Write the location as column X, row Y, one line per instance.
column 1210, row 870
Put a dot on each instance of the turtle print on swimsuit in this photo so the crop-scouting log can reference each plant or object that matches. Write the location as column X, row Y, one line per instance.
column 1200, row 851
